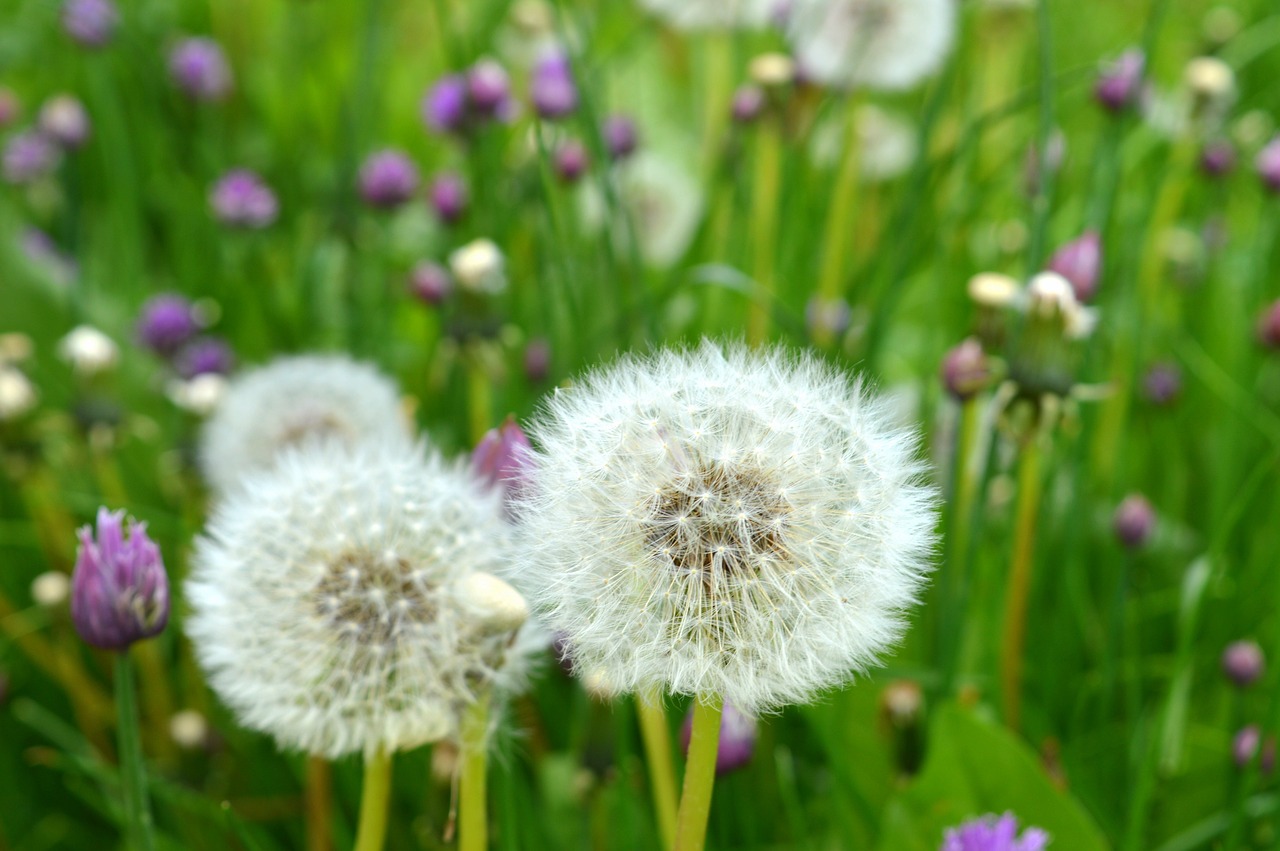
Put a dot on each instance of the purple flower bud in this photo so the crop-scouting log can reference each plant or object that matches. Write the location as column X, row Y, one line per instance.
column 448, row 196
column 1269, row 326
column 28, row 157
column 241, row 199
column 91, row 23
column 205, row 356
column 965, row 372
column 994, row 833
column 1120, row 86
column 444, row 107
column 1243, row 663
column 1244, row 747
column 199, row 67
column 64, row 120
column 552, row 89
column 620, row 136
column 1218, row 158
column 1080, row 262
column 430, row 282
column 1134, row 521
column 737, row 738
column 165, row 322
column 1162, row 384
column 489, row 88
column 388, row 179
column 10, row 107
column 537, row 360
column 827, row 316
column 1268, row 165
column 502, row 459
column 571, row 160
column 119, row 590
column 748, row 103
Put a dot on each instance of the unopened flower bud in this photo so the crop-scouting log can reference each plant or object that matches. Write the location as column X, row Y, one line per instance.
column 444, row 107
column 50, row 589
column 430, row 282
column 502, row 458
column 28, row 156
column 166, row 322
column 64, row 119
column 241, row 198
column 738, row 734
column 496, row 606
column 748, row 103
column 88, row 350
column 1080, row 262
column 552, row 89
column 1134, row 521
column 1268, row 165
column 199, row 395
column 1244, row 748
column 571, row 160
column 1212, row 84
column 621, row 138
column 772, row 70
column 1218, row 158
column 965, row 372
column 478, row 267
column 199, row 67
column 189, row 730
column 388, row 179
column 488, row 87
column 1119, row 87
column 1243, row 663
column 902, row 712
column 1162, row 384
column 90, row 23
column 537, row 360
column 827, row 318
column 120, row 592
column 991, row 289
column 17, row 395
column 205, row 356
column 1269, row 326
column 448, row 196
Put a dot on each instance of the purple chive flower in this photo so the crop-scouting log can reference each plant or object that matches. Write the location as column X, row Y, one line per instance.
column 166, row 322
column 10, row 107
column 241, row 199
column 199, row 67
column 502, row 459
column 1244, row 747
column 1120, row 86
column 537, row 360
column 489, row 89
column 965, row 371
column 1218, row 158
column 1243, row 663
column 1134, row 521
column 444, row 107
column 994, row 833
column 430, row 282
column 1080, row 262
column 620, row 136
column 552, row 89
column 119, row 590
column 91, row 23
column 64, row 120
column 205, row 356
column 1162, row 384
column 1268, row 165
column 737, row 738
column 571, row 160
column 448, row 196
column 388, row 179
column 1269, row 326
column 28, row 157
column 748, row 103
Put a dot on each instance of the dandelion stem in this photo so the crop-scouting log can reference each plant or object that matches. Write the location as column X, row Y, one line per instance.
column 319, row 799
column 719, row 65
column 764, row 227
column 1015, row 616
column 473, row 824
column 662, row 770
column 956, row 580
column 479, row 396
column 374, row 801
column 133, row 777
column 699, row 775
column 835, row 241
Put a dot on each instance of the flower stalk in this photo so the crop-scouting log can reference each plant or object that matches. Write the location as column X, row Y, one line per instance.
column 473, row 823
column 375, row 799
column 764, row 226
column 662, row 771
column 133, row 777
column 699, row 775
column 1015, row 619
column 319, row 803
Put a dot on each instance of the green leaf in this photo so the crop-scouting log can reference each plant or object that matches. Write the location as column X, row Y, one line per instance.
column 975, row 767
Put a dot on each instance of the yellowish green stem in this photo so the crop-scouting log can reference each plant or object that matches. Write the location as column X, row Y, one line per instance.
column 375, row 801
column 719, row 59
column 662, row 769
column 1015, row 614
column 836, row 238
column 479, row 396
column 764, row 227
column 699, row 775
column 319, row 798
column 473, row 821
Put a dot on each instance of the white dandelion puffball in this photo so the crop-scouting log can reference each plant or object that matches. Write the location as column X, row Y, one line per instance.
column 728, row 522
column 661, row 207
column 712, row 14
column 290, row 401
column 334, row 598
column 877, row 44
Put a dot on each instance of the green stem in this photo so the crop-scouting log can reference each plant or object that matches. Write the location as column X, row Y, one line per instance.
column 1015, row 617
column 835, row 240
column 764, row 227
column 371, row 835
column 662, row 770
column 133, row 775
column 479, row 395
column 473, row 824
column 699, row 775
column 319, row 803
column 956, row 580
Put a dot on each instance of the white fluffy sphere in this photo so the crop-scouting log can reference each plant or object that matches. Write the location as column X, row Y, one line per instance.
column 331, row 599
column 740, row 523
column 293, row 400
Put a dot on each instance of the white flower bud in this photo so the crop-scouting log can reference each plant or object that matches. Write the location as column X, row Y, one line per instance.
column 496, row 606
column 51, row 589
column 17, row 395
column 991, row 289
column 1210, row 79
column 199, row 395
column 88, row 350
column 189, row 729
column 772, row 70
column 478, row 267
